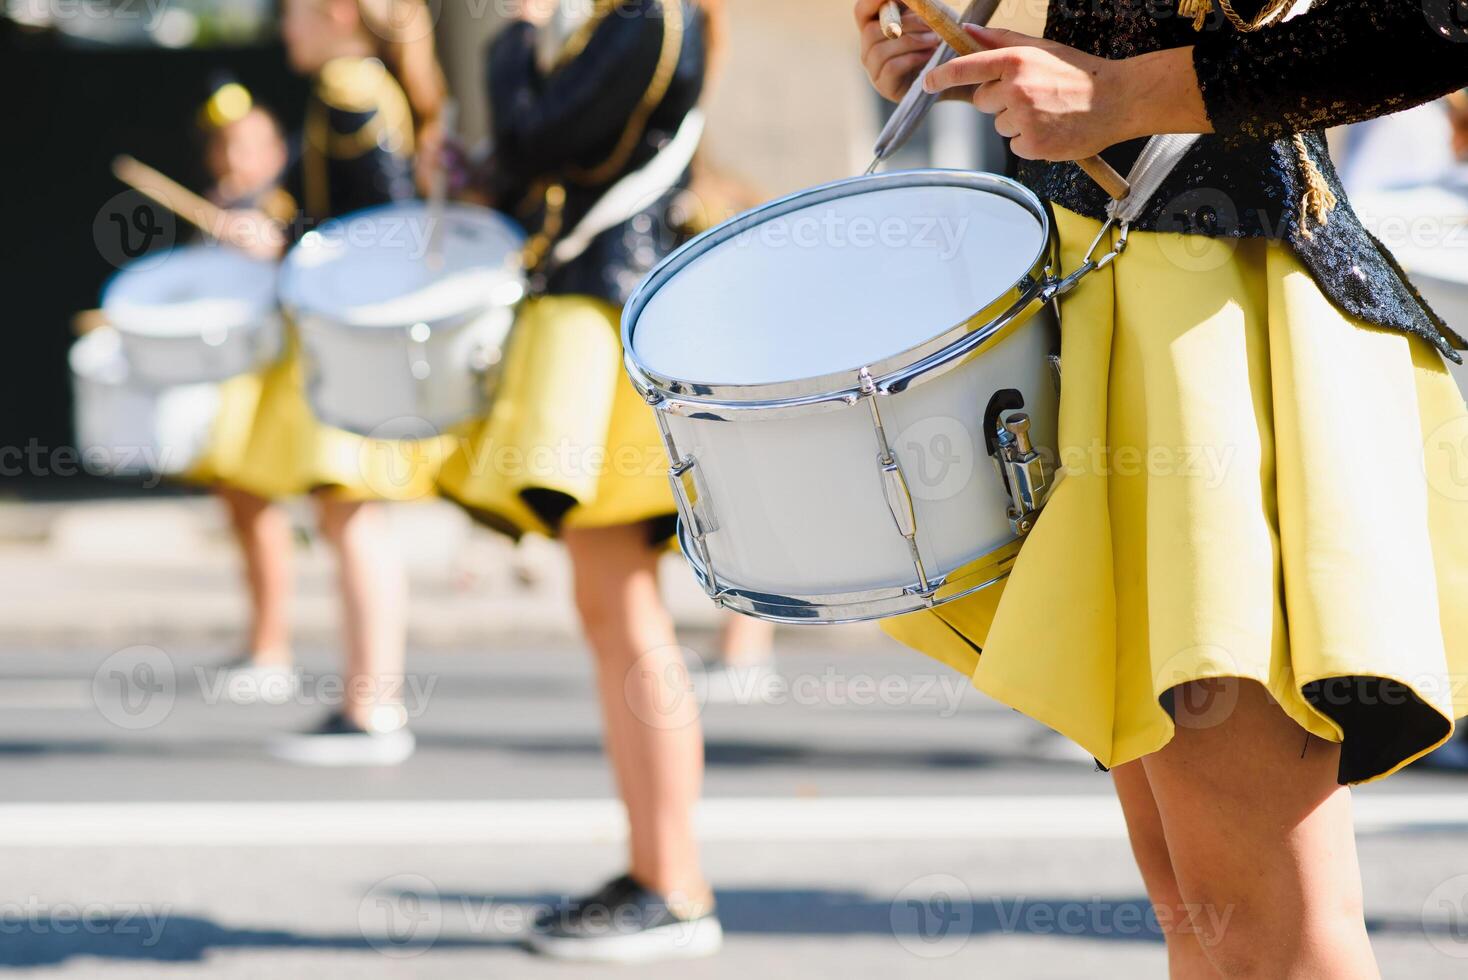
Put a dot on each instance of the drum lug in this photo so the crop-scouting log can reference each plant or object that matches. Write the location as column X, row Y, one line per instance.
column 1023, row 471
column 691, row 495
column 894, row 484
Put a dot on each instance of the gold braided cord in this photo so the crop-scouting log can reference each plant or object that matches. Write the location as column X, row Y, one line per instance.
column 1198, row 10
column 1319, row 199
column 1273, row 11
column 662, row 80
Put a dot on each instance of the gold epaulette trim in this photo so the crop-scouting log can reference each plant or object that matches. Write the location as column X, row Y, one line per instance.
column 363, row 85
column 350, row 83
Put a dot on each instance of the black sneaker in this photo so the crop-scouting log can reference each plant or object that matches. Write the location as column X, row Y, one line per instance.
column 339, row 741
column 624, row 922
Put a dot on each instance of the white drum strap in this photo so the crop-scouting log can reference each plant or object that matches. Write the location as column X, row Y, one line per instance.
column 636, row 191
column 1158, row 158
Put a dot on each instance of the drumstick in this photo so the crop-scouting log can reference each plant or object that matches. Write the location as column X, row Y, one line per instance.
column 891, row 19
column 203, row 214
column 438, row 184
column 85, row 321
column 946, row 26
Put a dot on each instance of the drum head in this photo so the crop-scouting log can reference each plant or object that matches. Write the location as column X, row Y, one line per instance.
column 836, row 278
column 189, row 290
column 373, row 268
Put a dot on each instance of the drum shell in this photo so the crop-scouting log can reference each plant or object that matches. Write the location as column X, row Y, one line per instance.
column 799, row 501
column 406, row 382
column 213, row 354
column 127, row 428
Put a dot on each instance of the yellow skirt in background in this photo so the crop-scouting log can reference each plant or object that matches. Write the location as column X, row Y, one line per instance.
column 266, row 441
column 1255, row 485
column 568, row 441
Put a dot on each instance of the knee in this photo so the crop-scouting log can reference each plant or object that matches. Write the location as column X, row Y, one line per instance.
column 339, row 520
column 1249, row 937
column 243, row 507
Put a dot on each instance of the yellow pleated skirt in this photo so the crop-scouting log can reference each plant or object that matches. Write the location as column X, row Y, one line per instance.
column 1253, row 485
column 568, row 441
column 267, row 441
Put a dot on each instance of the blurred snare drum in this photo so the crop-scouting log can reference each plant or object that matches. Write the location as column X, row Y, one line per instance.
column 401, row 322
column 193, row 314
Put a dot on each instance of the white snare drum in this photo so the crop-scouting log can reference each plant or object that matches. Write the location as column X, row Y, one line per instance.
column 857, row 390
column 127, row 428
column 196, row 313
column 1426, row 229
column 400, row 346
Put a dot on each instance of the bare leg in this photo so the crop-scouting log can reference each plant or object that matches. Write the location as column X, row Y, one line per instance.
column 263, row 531
column 1186, row 959
column 653, row 736
column 374, row 598
column 1261, row 838
column 745, row 641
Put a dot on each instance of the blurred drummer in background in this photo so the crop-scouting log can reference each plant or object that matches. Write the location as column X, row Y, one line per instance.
column 595, row 124
column 377, row 87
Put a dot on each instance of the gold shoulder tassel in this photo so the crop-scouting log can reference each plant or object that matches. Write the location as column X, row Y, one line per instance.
column 1196, row 9
column 1319, row 199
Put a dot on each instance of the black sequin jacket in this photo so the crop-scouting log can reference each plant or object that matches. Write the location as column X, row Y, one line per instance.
column 599, row 114
column 1268, row 94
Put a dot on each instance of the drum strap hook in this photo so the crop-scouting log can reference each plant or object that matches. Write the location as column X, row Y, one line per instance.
column 1090, row 263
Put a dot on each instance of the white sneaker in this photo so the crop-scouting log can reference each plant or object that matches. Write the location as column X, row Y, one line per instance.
column 339, row 741
column 245, row 682
column 720, row 683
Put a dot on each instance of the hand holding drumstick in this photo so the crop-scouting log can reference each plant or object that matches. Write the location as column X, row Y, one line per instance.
column 1054, row 102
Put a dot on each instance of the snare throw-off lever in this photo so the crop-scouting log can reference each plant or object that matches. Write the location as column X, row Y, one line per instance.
column 1023, row 470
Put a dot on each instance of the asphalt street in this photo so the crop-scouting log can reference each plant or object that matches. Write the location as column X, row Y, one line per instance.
column 874, row 816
